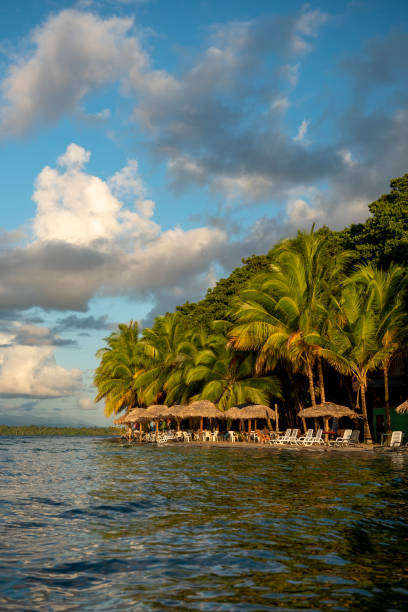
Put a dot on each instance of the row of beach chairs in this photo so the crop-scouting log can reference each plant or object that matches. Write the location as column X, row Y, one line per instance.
column 349, row 438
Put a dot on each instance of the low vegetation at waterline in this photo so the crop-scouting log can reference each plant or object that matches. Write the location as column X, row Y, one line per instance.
column 321, row 310
column 41, row 430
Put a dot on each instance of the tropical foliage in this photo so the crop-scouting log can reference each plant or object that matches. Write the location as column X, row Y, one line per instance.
column 318, row 304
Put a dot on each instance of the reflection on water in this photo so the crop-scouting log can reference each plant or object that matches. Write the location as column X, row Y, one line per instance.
column 91, row 525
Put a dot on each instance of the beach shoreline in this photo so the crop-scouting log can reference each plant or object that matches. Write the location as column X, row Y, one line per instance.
column 363, row 448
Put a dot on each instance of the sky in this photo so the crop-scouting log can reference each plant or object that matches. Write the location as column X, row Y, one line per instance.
column 147, row 146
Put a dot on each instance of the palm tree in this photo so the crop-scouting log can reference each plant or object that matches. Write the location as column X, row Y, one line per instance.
column 353, row 346
column 115, row 376
column 386, row 288
column 227, row 378
column 283, row 315
column 165, row 350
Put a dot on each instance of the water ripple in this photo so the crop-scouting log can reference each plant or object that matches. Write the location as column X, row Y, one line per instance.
column 91, row 525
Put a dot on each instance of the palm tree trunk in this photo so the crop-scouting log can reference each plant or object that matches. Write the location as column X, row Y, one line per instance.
column 321, row 379
column 387, row 400
column 312, row 390
column 367, row 432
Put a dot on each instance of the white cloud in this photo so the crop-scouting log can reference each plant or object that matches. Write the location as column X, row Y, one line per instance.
column 74, row 158
column 86, row 403
column 73, row 53
column 87, row 242
column 291, row 73
column 301, row 214
column 33, row 372
column 302, row 131
column 307, row 25
column 280, row 104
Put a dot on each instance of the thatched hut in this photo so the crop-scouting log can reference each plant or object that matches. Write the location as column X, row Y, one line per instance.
column 402, row 408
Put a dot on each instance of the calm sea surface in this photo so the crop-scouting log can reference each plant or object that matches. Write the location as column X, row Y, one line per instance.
column 91, row 525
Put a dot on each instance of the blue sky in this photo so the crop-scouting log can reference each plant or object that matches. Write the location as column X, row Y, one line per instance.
column 147, row 146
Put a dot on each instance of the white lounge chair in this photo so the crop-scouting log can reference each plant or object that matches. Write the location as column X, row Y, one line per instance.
column 344, row 439
column 282, row 439
column 293, row 436
column 317, row 439
column 290, row 438
column 396, row 438
column 303, row 439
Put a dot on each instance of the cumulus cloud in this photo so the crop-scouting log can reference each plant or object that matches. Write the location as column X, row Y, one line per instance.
column 87, row 242
column 28, row 371
column 72, row 54
column 199, row 121
column 28, row 333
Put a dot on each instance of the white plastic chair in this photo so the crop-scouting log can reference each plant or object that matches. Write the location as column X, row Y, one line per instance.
column 283, row 439
column 396, row 438
column 317, row 439
column 303, row 439
column 293, row 436
column 344, row 439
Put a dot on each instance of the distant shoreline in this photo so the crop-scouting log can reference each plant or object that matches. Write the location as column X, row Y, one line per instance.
column 40, row 430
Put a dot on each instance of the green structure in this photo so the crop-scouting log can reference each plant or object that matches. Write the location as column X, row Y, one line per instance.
column 399, row 422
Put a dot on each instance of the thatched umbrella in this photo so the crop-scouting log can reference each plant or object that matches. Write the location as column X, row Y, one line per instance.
column 326, row 410
column 402, row 407
column 178, row 412
column 247, row 412
column 156, row 412
column 135, row 415
column 204, row 408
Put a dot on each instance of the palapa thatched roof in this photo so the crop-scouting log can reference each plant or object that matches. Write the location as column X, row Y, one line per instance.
column 203, row 408
column 157, row 411
column 132, row 416
column 402, row 407
column 177, row 411
column 328, row 409
column 250, row 411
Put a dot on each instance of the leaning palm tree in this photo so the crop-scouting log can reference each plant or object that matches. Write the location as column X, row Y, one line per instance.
column 386, row 288
column 120, row 361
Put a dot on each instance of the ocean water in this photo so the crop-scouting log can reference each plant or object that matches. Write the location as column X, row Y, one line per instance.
column 87, row 524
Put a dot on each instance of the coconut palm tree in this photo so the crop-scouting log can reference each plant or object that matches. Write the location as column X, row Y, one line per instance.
column 353, row 346
column 386, row 288
column 164, row 349
column 227, row 377
column 119, row 363
column 283, row 315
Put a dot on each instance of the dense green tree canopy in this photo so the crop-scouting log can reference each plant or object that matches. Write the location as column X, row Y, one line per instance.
column 319, row 302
